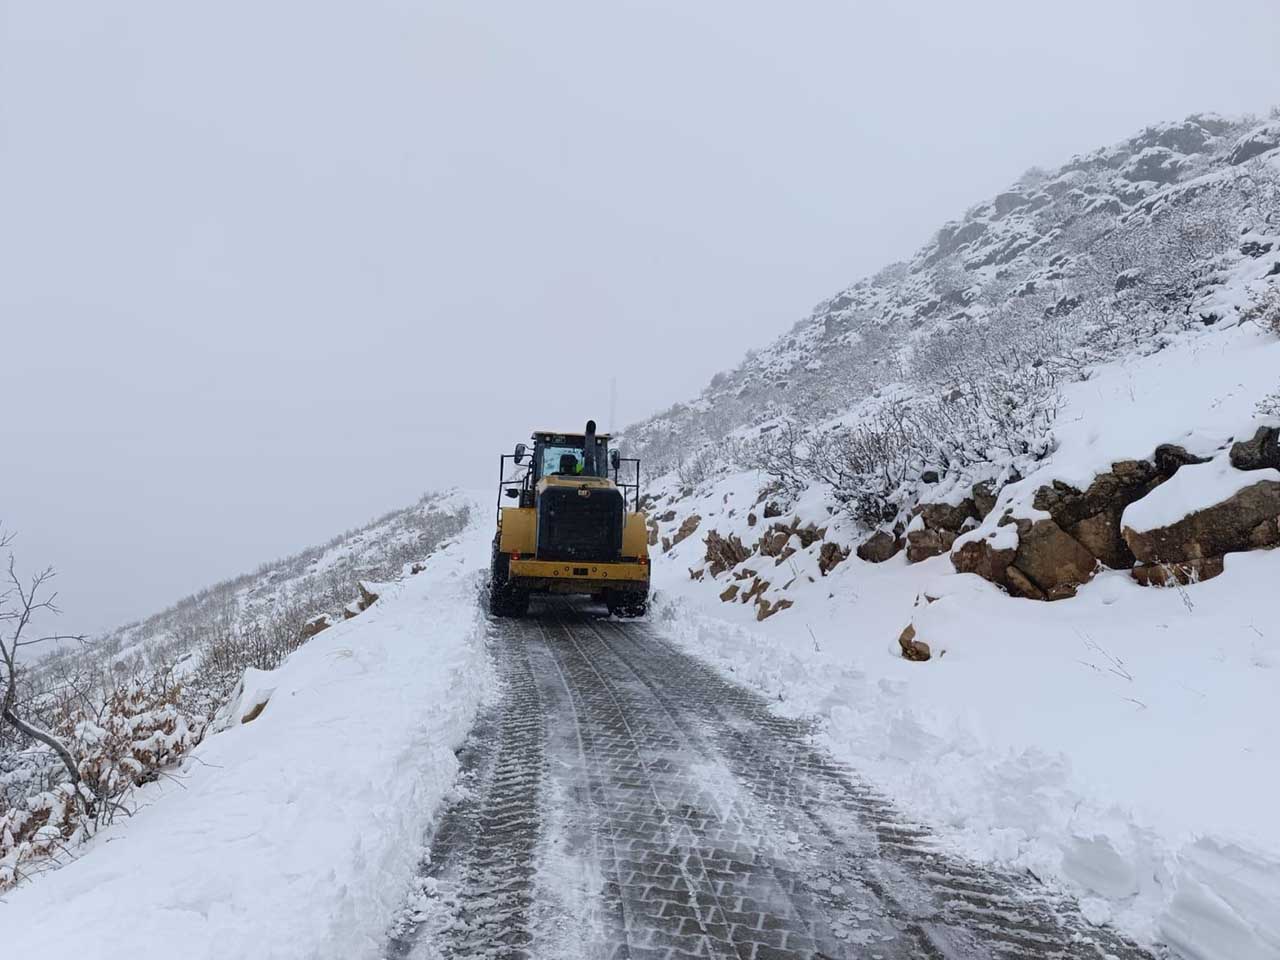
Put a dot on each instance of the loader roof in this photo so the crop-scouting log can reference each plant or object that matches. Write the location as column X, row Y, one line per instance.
column 566, row 434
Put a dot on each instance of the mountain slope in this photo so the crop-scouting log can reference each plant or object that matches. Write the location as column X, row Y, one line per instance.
column 1110, row 252
column 866, row 518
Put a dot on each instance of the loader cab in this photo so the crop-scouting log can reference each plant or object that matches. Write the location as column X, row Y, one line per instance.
column 557, row 458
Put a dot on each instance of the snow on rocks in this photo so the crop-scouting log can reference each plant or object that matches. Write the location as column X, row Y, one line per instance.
column 297, row 834
column 1192, row 489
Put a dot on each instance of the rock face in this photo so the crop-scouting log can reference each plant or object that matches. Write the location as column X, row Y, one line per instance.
column 315, row 625
column 985, row 559
column 367, row 597
column 686, row 529
column 926, row 543
column 1170, row 457
column 1244, row 521
column 776, row 541
column 1092, row 517
column 1255, row 143
column 879, row 547
column 1053, row 560
column 765, row 609
column 1260, row 453
column 830, row 556
column 1169, row 574
column 984, row 498
column 723, row 553
column 1040, row 562
column 950, row 517
column 913, row 649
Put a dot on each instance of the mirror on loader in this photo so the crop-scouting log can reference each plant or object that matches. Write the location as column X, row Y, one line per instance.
column 520, row 451
column 615, row 459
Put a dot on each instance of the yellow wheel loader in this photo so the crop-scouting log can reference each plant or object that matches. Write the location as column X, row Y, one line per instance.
column 576, row 525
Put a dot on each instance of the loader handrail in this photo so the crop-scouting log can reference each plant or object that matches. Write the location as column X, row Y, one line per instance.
column 623, row 485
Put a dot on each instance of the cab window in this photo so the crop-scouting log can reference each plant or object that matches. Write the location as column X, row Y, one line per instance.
column 561, row 461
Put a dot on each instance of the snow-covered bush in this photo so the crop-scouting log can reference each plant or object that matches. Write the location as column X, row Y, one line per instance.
column 120, row 740
column 867, row 465
column 124, row 741
column 1264, row 310
column 37, row 827
column 697, row 468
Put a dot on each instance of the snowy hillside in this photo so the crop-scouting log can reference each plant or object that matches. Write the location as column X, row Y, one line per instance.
column 1004, row 517
column 1114, row 251
column 296, row 831
column 133, row 703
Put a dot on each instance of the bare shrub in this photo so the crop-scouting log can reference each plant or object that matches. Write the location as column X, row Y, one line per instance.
column 778, row 452
column 867, row 465
column 697, row 468
column 1264, row 310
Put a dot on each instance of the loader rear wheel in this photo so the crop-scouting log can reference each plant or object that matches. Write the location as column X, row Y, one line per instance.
column 626, row 603
column 505, row 600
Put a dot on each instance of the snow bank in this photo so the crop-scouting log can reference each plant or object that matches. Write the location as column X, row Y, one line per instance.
column 295, row 834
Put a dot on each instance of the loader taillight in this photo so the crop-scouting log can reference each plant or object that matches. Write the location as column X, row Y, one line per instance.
column 516, row 555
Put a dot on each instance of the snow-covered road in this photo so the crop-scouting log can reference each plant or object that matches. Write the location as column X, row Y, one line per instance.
column 622, row 799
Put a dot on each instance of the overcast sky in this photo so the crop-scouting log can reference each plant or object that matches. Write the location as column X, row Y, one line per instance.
column 269, row 269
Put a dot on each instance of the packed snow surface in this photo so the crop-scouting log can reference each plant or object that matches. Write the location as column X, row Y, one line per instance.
column 296, row 834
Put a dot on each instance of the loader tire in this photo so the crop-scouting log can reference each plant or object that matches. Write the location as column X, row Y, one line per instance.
column 626, row 604
column 504, row 599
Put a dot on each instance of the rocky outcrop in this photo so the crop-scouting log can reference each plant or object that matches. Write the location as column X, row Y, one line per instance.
column 687, row 529
column 983, row 557
column 936, row 526
column 1244, row 521
column 984, row 498
column 765, row 609
column 923, row 543
column 1255, row 143
column 946, row 516
column 723, row 553
column 1033, row 559
column 776, row 541
column 314, row 626
column 1260, row 453
column 913, row 649
column 879, row 547
column 1053, row 560
column 367, row 596
column 830, row 556
column 1180, row 574
column 729, row 593
column 1092, row 517
column 1169, row 458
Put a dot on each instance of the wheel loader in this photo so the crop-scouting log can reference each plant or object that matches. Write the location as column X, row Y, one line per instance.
column 575, row 528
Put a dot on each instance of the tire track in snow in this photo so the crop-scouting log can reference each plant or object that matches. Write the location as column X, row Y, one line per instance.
column 630, row 802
